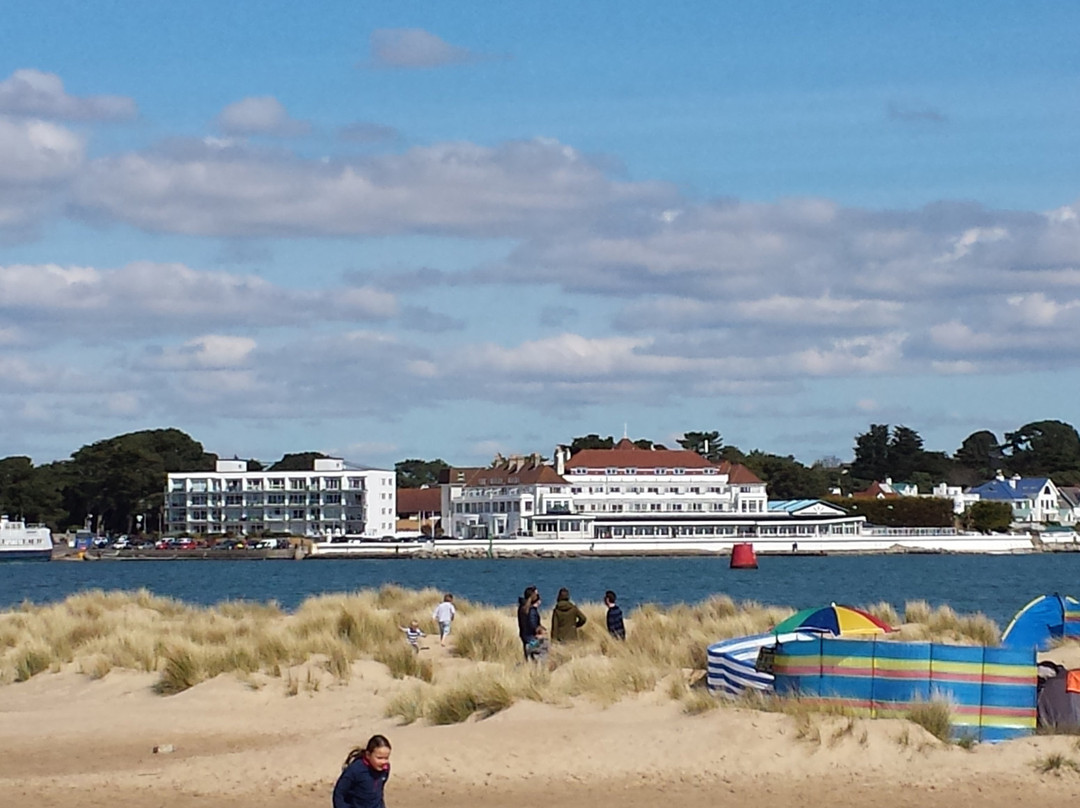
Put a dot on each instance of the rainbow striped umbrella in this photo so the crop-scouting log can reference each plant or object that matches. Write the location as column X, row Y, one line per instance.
column 834, row 619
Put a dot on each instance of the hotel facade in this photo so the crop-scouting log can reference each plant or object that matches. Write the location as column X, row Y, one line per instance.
column 626, row 492
column 332, row 502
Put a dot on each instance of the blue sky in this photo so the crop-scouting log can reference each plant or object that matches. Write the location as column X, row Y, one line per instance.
column 390, row 230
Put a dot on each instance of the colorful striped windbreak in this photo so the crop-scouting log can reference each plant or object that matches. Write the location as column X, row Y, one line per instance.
column 992, row 691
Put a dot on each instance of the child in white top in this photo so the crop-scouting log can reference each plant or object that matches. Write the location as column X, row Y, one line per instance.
column 444, row 616
column 413, row 634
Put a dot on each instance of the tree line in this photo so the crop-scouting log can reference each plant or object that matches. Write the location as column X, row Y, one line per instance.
column 117, row 484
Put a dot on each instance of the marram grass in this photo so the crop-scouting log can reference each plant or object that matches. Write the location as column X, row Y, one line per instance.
column 98, row 632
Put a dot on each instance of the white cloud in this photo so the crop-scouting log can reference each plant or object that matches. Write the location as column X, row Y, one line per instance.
column 461, row 189
column 208, row 352
column 34, row 152
column 41, row 95
column 174, row 297
column 414, row 48
column 260, row 115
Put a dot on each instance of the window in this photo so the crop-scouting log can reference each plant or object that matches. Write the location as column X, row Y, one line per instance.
column 297, row 513
column 277, row 485
column 297, row 483
column 680, row 471
column 332, row 483
column 611, row 470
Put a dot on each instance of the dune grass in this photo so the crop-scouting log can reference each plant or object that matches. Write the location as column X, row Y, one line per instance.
column 98, row 632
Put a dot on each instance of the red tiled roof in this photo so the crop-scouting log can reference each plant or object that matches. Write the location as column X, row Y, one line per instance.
column 739, row 474
column 418, row 500
column 627, row 455
column 528, row 476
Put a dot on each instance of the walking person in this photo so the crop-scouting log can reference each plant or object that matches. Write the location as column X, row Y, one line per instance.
column 444, row 616
column 528, row 618
column 615, row 625
column 364, row 775
column 566, row 618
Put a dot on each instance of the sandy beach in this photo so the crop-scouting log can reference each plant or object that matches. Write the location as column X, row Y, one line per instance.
column 66, row 739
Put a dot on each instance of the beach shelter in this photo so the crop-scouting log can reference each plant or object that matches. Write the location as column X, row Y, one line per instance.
column 840, row 621
column 732, row 667
column 1044, row 619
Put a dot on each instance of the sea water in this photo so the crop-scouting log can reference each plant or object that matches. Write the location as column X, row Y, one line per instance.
column 996, row 585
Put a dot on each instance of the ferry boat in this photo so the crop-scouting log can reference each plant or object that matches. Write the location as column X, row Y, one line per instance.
column 22, row 542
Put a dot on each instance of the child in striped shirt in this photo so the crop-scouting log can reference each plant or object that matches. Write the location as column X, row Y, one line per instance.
column 413, row 634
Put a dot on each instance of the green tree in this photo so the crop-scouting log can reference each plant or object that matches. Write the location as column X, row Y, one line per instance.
column 872, row 454
column 905, row 453
column 709, row 445
column 786, row 477
column 298, row 461
column 988, row 517
column 981, row 453
column 1045, row 449
column 591, row 441
column 115, row 479
column 415, row 473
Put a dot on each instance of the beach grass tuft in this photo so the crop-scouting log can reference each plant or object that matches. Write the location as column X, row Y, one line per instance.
column 935, row 716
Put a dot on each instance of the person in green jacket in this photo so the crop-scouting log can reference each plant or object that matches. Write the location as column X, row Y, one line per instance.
column 566, row 618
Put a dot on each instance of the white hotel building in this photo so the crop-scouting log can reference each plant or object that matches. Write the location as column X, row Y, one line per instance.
column 333, row 502
column 626, row 492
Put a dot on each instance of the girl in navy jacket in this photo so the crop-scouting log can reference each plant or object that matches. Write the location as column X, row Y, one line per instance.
column 364, row 774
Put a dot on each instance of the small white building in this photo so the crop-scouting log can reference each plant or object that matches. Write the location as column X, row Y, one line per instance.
column 332, row 501
column 961, row 499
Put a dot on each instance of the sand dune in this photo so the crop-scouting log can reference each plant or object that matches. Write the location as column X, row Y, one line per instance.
column 67, row 740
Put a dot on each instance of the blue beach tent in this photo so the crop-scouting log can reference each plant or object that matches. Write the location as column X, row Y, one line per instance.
column 1046, row 618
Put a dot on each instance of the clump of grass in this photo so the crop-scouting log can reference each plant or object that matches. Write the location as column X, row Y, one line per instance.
column 180, row 672
column 1056, row 763
column 698, row 701
column 935, row 716
column 408, row 705
column 917, row 611
column 487, row 637
column 484, row 695
column 33, row 660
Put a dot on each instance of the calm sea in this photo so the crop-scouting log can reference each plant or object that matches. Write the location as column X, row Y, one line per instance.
column 995, row 585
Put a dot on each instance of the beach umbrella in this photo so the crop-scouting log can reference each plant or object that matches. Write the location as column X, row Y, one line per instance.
column 834, row 619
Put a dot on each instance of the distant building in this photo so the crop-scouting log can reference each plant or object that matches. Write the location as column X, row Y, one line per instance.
column 961, row 499
column 332, row 501
column 621, row 492
column 1034, row 500
column 888, row 490
column 419, row 510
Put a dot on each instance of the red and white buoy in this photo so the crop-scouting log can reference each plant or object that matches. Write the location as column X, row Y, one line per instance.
column 743, row 557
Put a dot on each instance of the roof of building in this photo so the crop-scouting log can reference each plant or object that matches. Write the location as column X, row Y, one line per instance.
column 532, row 475
column 1015, row 488
column 418, row 500
column 739, row 474
column 877, row 490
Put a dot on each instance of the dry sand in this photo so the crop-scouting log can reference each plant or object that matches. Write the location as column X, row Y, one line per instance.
column 66, row 740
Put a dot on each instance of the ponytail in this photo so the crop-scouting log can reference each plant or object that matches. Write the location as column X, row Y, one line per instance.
column 357, row 752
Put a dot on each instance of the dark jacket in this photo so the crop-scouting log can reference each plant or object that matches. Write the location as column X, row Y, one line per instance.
column 615, row 625
column 528, row 622
column 566, row 619
column 360, row 786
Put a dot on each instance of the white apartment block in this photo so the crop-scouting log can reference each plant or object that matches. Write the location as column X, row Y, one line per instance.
column 615, row 493
column 332, row 502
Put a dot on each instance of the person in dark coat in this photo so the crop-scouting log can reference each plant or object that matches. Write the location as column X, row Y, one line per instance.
column 528, row 617
column 615, row 625
column 566, row 618
column 366, row 770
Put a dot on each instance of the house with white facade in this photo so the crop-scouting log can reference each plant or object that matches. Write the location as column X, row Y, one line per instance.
column 1035, row 500
column 622, row 492
column 961, row 499
column 334, row 501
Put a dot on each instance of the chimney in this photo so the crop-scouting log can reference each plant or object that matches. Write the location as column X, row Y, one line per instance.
column 560, row 460
column 999, row 476
column 1014, row 480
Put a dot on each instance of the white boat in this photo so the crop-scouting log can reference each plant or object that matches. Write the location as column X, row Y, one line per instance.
column 22, row 542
